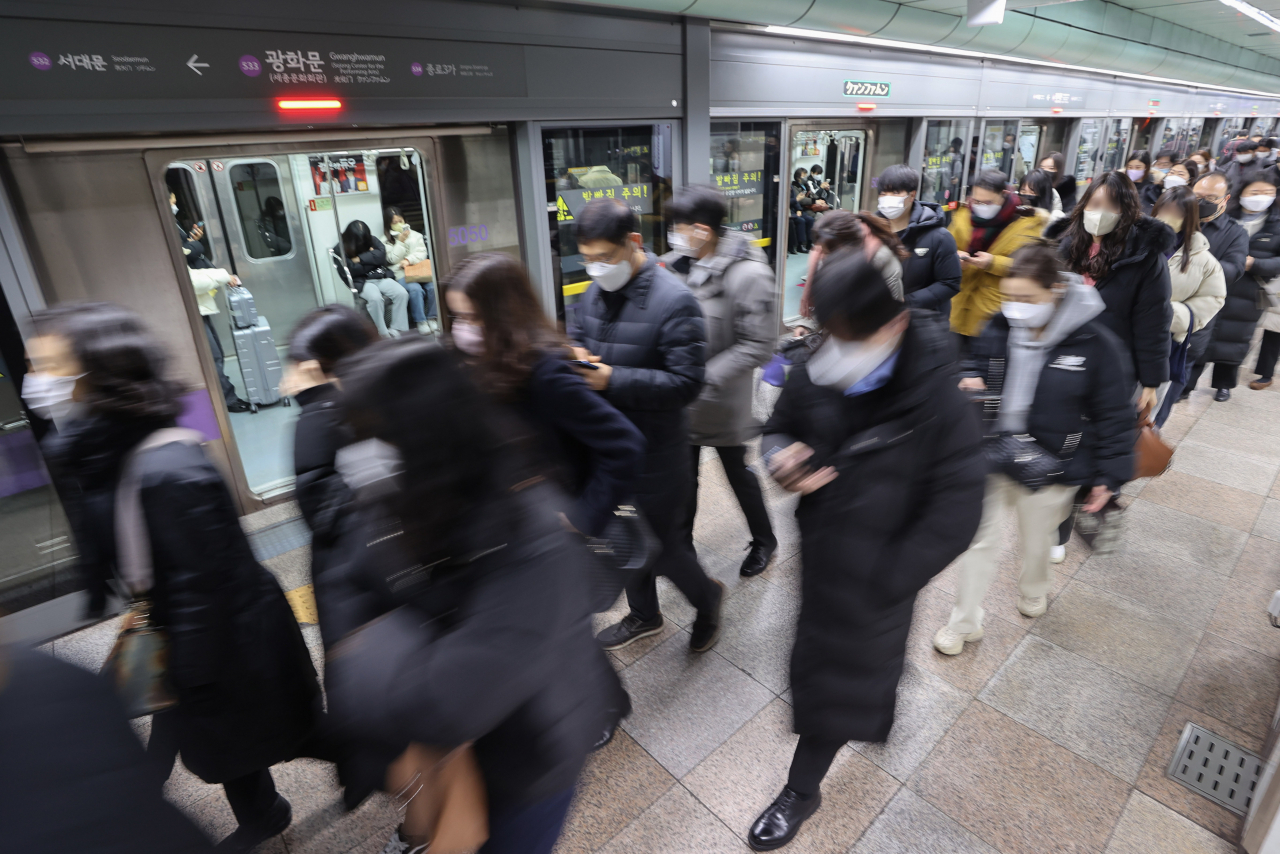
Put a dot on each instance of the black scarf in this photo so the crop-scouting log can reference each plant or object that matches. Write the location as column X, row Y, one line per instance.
column 985, row 231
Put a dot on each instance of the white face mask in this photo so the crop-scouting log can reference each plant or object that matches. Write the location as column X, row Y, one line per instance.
column 982, row 211
column 892, row 206
column 1244, row 158
column 1175, row 224
column 1135, row 175
column 681, row 243
column 1253, row 204
column 1099, row 223
column 1028, row 314
column 610, row 277
column 49, row 396
column 840, row 364
column 174, row 208
column 467, row 337
column 1174, row 181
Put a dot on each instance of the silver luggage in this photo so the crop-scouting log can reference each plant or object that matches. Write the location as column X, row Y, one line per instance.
column 244, row 314
column 259, row 363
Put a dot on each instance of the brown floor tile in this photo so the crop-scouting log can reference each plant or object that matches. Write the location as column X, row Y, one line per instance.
column 619, row 783
column 1241, row 617
column 1232, row 683
column 1176, row 428
column 1018, row 790
column 677, row 822
column 970, row 670
column 1259, row 564
column 1225, row 505
column 1155, row 782
column 745, row 774
column 1148, row 826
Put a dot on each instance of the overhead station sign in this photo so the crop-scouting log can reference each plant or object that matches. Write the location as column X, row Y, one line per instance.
column 56, row 60
column 864, row 89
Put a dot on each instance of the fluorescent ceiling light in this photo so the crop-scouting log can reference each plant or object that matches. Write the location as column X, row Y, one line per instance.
column 798, row 32
column 1253, row 12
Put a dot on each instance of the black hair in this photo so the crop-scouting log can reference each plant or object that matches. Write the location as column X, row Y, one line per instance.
column 1141, row 155
column 1168, row 153
column 850, row 297
column 1269, row 142
column 356, row 238
column 795, row 176
column 1193, row 169
column 273, row 205
column 898, row 178
column 1124, row 195
column 53, row 320
column 1037, row 261
column 958, row 143
column 698, row 205
column 815, row 169
column 606, row 219
column 328, row 335
column 993, row 180
column 1260, row 176
column 1040, row 183
column 125, row 366
column 1059, row 162
column 1188, row 205
column 387, row 213
column 1246, row 146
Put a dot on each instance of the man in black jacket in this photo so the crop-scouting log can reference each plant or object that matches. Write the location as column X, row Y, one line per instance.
column 931, row 274
column 1229, row 243
column 644, row 336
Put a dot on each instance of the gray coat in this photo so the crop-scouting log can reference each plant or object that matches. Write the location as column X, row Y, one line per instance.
column 735, row 289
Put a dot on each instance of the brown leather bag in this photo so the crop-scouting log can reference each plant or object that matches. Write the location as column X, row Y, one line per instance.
column 420, row 272
column 1151, row 456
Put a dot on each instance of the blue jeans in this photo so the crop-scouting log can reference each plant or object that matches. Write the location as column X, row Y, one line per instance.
column 422, row 301
column 530, row 829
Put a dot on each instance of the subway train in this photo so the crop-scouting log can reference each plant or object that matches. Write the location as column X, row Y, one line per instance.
column 489, row 127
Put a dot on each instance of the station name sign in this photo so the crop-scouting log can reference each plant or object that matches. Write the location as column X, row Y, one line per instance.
column 864, row 89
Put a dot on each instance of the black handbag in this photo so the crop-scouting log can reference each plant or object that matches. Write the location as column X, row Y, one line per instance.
column 625, row 548
column 1019, row 457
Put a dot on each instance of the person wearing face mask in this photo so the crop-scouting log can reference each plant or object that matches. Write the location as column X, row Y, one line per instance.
column 406, row 247
column 883, row 449
column 824, row 197
column 845, row 229
column 1182, row 174
column 1204, row 161
column 1244, row 165
column 644, row 333
column 734, row 286
column 1036, row 191
column 1229, row 243
column 802, row 214
column 1139, row 171
column 1198, row 287
column 1258, row 200
column 987, row 233
column 1058, row 375
column 1064, row 184
column 1265, row 155
column 931, row 270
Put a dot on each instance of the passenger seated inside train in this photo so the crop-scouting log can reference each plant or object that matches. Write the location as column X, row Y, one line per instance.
column 361, row 262
column 407, row 257
column 273, row 226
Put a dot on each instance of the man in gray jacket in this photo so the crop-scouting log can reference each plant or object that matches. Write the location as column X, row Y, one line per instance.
column 735, row 288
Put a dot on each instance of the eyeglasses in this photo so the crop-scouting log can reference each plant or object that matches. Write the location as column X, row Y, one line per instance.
column 608, row 257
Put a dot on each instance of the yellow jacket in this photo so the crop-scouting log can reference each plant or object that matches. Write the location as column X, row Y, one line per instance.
column 979, row 296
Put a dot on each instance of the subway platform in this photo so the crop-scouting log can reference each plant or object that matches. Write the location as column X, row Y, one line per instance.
column 1050, row 735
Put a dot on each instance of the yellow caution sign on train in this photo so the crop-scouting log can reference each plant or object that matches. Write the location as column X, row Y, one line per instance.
column 562, row 210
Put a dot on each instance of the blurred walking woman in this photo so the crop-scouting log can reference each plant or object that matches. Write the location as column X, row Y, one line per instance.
column 1062, row 378
column 247, row 693
column 463, row 603
column 523, row 362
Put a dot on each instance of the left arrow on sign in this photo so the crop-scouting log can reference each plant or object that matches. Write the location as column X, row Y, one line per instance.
column 196, row 66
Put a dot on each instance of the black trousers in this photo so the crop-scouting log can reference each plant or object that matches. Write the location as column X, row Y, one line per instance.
column 1268, row 352
column 677, row 561
column 812, row 760
column 803, row 224
column 215, row 345
column 251, row 796
column 745, row 488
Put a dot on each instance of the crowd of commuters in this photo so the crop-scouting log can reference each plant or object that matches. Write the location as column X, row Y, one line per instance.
column 466, row 490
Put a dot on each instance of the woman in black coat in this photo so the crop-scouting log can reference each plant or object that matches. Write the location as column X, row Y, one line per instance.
column 1139, row 171
column 463, row 602
column 518, row 357
column 246, row 690
column 884, row 449
column 361, row 261
column 1063, row 181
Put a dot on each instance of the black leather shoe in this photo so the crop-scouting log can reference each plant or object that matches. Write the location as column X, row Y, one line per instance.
column 780, row 823
column 630, row 630
column 248, row 837
column 238, row 405
column 706, row 627
column 1222, row 394
column 757, row 560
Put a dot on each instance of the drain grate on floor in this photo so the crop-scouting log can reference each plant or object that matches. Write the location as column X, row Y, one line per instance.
column 1223, row 772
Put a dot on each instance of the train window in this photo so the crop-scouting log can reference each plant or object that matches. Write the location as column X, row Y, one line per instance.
column 189, row 216
column 1000, row 147
column 260, row 207
column 1143, row 134
column 1117, row 145
column 942, row 173
column 745, row 158
column 1087, row 151
column 630, row 164
column 1174, row 132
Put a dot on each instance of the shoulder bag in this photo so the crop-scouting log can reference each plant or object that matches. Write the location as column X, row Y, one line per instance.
column 625, row 548
column 420, row 272
column 1151, row 456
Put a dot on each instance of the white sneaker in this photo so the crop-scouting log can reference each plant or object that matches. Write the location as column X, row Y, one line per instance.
column 1033, row 606
column 1057, row 554
column 396, row 845
column 949, row 642
column 424, row 328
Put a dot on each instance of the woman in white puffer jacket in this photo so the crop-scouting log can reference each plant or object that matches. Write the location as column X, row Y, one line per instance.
column 406, row 247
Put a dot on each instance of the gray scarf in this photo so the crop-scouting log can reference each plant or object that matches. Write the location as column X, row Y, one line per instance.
column 1027, row 355
column 133, row 543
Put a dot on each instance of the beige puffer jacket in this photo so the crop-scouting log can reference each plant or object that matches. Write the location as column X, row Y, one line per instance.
column 1201, row 289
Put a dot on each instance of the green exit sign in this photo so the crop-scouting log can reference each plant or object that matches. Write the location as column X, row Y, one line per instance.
column 864, row 89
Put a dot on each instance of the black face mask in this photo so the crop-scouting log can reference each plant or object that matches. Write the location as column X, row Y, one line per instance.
column 1028, row 199
column 1207, row 209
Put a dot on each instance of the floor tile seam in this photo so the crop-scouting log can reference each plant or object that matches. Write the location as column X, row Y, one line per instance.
column 901, row 785
column 1135, row 499
column 1222, row 637
column 925, row 759
column 1267, row 537
column 1249, row 430
column 741, row 837
column 1239, row 454
column 1220, row 590
column 1183, row 681
column 1248, row 530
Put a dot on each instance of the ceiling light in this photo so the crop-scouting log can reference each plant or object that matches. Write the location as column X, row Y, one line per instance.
column 1253, row 12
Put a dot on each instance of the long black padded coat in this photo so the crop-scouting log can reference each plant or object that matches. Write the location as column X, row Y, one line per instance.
column 906, row 502
column 1233, row 327
column 247, row 691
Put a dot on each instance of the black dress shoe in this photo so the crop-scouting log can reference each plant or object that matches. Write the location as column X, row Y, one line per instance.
column 238, row 405
column 780, row 823
column 248, row 837
column 628, row 631
column 1222, row 394
column 706, row 626
column 757, row 560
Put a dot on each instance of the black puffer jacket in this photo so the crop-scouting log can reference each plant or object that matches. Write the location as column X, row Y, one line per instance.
column 1148, row 193
column 931, row 273
column 653, row 335
column 1233, row 328
column 1083, row 400
column 371, row 264
column 905, row 503
column 247, row 692
column 494, row 646
column 1137, row 292
column 1229, row 243
column 1066, row 187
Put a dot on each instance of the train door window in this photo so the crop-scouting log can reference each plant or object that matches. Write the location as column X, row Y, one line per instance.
column 745, row 158
column 1028, row 147
column 1190, row 139
column 942, row 173
column 630, row 164
column 260, row 206
column 1116, row 148
column 1144, row 134
column 1000, row 146
column 1173, row 134
column 1087, row 150
column 189, row 214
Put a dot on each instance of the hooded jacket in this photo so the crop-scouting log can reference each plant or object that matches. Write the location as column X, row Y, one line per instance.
column 734, row 287
column 931, row 273
column 1137, row 294
column 979, row 296
column 1198, row 291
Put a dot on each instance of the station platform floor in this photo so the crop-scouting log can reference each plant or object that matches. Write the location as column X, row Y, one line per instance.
column 1050, row 735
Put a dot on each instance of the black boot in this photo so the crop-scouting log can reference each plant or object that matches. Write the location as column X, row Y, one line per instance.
column 757, row 559
column 779, row 824
column 248, row 837
column 1222, row 394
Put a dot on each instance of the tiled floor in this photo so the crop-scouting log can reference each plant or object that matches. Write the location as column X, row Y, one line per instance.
column 1050, row 735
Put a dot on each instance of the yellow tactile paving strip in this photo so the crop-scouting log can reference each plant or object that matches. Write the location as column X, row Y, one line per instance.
column 303, row 601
